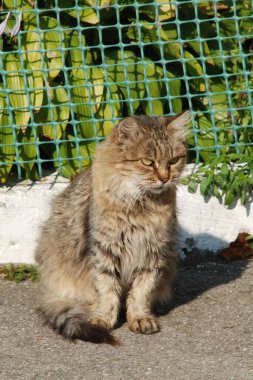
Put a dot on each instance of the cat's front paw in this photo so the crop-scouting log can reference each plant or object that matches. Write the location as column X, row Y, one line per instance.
column 144, row 325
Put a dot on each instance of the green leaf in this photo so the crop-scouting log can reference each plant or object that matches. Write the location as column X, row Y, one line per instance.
column 103, row 126
column 192, row 186
column 28, row 152
column 219, row 102
column 74, row 156
column 138, row 81
column 206, row 184
column 220, row 181
column 194, row 69
column 100, row 3
column 243, row 196
column 92, row 79
column 231, row 175
column 205, row 138
column 88, row 15
column 148, row 33
column 54, row 43
column 32, row 42
column 125, row 71
column 199, row 48
column 18, row 94
column 174, row 85
column 154, row 87
column 217, row 193
column 7, row 141
column 76, row 56
column 165, row 11
column 111, row 109
column 80, row 98
column 36, row 88
column 54, row 115
column 85, row 12
column 86, row 92
column 235, row 186
column 224, row 170
column 44, row 46
column 229, row 198
column 3, row 106
column 17, row 4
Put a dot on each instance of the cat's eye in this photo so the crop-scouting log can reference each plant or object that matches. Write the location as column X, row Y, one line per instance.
column 147, row 162
column 174, row 161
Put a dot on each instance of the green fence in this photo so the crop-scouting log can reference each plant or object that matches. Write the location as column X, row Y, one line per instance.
column 71, row 69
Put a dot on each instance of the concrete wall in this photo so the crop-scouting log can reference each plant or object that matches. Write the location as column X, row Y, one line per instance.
column 207, row 225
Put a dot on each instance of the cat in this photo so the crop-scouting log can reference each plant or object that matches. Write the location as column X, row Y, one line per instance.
column 111, row 239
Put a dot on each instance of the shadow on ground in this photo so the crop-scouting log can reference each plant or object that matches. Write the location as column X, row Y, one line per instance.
column 201, row 270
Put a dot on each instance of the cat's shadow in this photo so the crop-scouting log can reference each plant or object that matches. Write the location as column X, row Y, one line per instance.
column 201, row 270
column 197, row 278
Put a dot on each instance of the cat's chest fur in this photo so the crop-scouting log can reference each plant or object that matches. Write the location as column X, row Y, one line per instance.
column 135, row 237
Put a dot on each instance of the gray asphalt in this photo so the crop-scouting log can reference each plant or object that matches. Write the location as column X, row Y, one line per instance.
column 207, row 334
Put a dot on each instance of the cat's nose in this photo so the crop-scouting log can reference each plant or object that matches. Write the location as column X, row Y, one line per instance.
column 163, row 175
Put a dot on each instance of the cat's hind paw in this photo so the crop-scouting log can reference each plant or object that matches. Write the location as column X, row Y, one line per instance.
column 101, row 323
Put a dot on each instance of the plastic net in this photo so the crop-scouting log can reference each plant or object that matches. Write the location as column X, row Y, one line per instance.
column 71, row 69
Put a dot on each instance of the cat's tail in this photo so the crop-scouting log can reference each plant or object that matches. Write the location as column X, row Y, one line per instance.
column 72, row 323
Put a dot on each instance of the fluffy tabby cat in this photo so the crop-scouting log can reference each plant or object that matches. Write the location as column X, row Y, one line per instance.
column 112, row 234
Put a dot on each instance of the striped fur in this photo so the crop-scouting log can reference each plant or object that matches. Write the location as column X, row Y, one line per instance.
column 112, row 234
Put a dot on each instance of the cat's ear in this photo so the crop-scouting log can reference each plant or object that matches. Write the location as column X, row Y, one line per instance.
column 180, row 124
column 127, row 130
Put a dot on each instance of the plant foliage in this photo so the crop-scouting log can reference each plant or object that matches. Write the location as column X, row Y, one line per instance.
column 228, row 178
column 19, row 273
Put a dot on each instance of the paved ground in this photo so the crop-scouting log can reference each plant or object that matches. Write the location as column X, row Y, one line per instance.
column 207, row 334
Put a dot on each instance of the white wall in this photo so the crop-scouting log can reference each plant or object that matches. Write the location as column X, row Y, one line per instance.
column 23, row 207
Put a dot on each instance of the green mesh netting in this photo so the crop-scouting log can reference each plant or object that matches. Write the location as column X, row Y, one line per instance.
column 71, row 69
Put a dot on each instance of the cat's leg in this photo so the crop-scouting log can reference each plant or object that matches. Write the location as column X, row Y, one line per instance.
column 139, row 303
column 108, row 291
column 164, row 287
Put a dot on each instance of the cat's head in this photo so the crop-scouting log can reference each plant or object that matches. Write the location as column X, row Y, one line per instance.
column 150, row 154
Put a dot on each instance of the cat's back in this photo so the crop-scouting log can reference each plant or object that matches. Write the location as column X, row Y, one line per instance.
column 76, row 194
